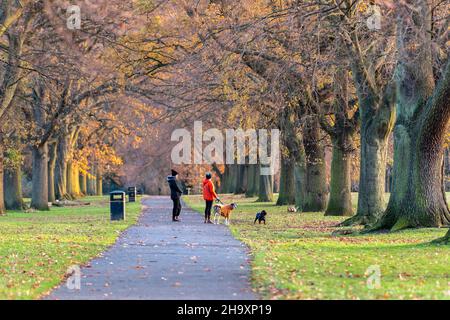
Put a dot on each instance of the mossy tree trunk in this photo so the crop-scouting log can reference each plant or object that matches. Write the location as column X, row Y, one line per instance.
column 340, row 203
column 445, row 239
column 241, row 179
column 287, row 181
column 225, row 179
column 228, row 183
column 447, row 169
column 290, row 146
column 373, row 158
column 316, row 190
column 2, row 200
column 39, row 193
column 12, row 72
column 232, row 178
column 342, row 133
column 220, row 177
column 13, row 188
column 418, row 197
column 52, row 155
column 265, row 193
column 376, row 100
column 252, row 182
column 300, row 177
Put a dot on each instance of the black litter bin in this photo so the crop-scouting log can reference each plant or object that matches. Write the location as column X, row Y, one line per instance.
column 132, row 194
column 117, row 204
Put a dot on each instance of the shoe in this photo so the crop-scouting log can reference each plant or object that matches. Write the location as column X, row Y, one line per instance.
column 210, row 222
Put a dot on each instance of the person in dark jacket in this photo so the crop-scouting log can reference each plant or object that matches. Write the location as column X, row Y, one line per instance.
column 175, row 195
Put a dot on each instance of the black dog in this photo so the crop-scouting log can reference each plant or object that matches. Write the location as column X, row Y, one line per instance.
column 261, row 217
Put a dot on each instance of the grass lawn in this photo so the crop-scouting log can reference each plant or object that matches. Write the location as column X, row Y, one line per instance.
column 296, row 257
column 37, row 248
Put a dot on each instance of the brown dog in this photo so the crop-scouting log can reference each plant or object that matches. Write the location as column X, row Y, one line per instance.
column 224, row 211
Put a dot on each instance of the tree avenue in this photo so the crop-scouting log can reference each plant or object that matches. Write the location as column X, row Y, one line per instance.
column 352, row 93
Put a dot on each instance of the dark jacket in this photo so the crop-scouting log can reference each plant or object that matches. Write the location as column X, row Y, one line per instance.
column 175, row 189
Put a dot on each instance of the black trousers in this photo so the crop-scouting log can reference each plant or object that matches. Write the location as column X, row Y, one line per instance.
column 208, row 209
column 176, row 207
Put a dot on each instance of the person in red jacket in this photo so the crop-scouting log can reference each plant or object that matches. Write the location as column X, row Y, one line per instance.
column 209, row 194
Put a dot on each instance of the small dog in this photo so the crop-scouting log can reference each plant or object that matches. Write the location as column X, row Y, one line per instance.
column 224, row 211
column 261, row 217
column 292, row 209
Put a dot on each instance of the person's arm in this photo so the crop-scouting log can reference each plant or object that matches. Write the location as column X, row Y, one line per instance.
column 177, row 186
column 213, row 192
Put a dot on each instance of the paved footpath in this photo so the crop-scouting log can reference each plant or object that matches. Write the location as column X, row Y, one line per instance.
column 161, row 259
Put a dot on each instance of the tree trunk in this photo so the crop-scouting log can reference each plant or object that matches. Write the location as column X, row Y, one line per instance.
column 76, row 179
column 61, row 167
column 224, row 179
column 388, row 179
column 51, row 172
column 265, row 188
column 73, row 180
column 340, row 203
column 2, row 200
column 377, row 120
column 447, row 170
column 276, row 184
column 233, row 178
column 13, row 188
column 423, row 111
column 376, row 113
column 94, row 185
column 316, row 193
column 300, row 173
column 90, row 185
column 371, row 194
column 83, row 183
column 444, row 240
column 300, row 177
column 418, row 197
column 241, row 179
column 99, row 180
column 287, row 182
column 70, row 185
column 252, row 182
column 39, row 193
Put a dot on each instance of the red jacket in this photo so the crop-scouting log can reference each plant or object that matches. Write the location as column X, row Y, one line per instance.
column 208, row 190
